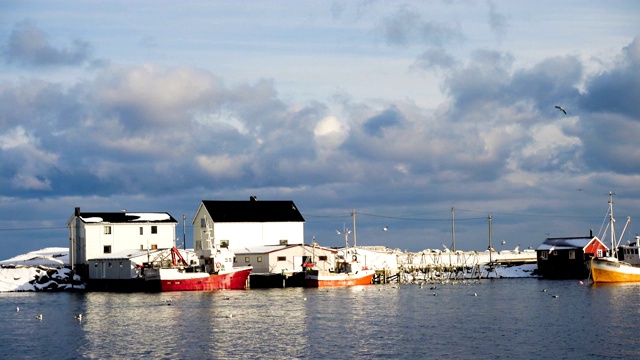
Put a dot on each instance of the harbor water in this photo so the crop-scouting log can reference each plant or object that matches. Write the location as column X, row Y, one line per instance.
column 500, row 318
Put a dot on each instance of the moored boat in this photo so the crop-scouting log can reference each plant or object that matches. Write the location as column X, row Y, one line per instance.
column 213, row 271
column 623, row 264
column 349, row 271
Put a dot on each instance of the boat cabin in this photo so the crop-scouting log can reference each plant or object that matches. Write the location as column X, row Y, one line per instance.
column 629, row 252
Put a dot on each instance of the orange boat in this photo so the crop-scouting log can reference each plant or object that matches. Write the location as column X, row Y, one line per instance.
column 349, row 273
column 623, row 265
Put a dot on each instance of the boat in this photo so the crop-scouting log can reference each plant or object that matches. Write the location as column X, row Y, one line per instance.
column 349, row 270
column 348, row 273
column 622, row 263
column 213, row 270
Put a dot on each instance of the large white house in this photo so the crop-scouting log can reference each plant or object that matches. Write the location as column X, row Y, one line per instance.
column 99, row 234
column 241, row 225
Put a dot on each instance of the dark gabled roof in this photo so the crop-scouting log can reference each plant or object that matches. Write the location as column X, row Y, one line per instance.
column 127, row 217
column 253, row 211
column 565, row 243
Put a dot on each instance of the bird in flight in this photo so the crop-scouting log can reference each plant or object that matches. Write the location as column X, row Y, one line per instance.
column 561, row 109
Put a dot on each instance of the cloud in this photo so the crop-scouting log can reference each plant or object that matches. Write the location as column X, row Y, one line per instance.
column 406, row 26
column 497, row 22
column 617, row 89
column 28, row 45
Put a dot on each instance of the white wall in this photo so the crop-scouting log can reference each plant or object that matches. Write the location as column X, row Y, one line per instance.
column 126, row 236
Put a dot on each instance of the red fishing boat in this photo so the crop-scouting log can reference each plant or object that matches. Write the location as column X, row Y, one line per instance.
column 213, row 270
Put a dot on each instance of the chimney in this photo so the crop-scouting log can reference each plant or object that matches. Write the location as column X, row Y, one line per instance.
column 253, row 198
column 77, row 213
column 591, row 233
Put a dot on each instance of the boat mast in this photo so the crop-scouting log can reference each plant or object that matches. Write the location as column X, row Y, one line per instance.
column 612, row 220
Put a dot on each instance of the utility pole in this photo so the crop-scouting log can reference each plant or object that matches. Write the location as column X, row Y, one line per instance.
column 353, row 214
column 184, row 231
column 490, row 246
column 453, row 231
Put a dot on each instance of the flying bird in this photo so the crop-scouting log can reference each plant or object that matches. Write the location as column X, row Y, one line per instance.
column 561, row 109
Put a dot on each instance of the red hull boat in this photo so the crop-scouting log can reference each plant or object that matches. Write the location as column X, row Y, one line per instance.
column 216, row 272
column 176, row 279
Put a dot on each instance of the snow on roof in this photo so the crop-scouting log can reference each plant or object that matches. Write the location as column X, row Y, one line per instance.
column 91, row 219
column 150, row 216
column 564, row 243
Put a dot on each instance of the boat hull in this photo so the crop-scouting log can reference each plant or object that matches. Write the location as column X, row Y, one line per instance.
column 612, row 271
column 175, row 280
column 327, row 279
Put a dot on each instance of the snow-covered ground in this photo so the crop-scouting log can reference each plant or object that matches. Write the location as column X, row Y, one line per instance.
column 39, row 270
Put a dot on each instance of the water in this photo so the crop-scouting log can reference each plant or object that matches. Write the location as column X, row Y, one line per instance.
column 508, row 319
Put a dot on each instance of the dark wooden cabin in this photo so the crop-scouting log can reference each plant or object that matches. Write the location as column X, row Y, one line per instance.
column 567, row 257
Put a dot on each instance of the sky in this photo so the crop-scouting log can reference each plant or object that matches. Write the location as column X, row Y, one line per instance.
column 435, row 119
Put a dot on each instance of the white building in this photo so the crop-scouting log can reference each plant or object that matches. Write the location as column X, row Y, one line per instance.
column 100, row 234
column 240, row 225
column 286, row 258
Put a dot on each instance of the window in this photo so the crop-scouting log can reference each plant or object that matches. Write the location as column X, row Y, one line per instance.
column 141, row 231
column 554, row 253
column 224, row 243
column 259, row 258
column 246, row 259
column 107, row 230
column 544, row 255
column 107, row 249
column 282, row 258
column 198, row 244
column 322, row 258
column 154, row 229
column 120, row 263
column 154, row 246
column 284, row 242
column 599, row 253
column 203, row 223
column 572, row 254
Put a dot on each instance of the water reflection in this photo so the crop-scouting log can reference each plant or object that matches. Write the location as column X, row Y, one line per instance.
column 507, row 318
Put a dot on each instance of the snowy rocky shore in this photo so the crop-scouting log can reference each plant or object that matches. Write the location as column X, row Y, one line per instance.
column 41, row 270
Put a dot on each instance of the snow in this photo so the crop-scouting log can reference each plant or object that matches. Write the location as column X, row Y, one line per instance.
column 38, row 270
column 91, row 219
column 150, row 216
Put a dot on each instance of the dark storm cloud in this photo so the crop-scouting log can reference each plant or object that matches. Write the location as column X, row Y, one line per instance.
column 617, row 90
column 553, row 81
column 376, row 124
column 28, row 45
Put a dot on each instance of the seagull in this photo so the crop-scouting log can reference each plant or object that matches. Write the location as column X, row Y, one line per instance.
column 17, row 309
column 39, row 317
column 385, row 228
column 230, row 315
column 79, row 317
column 561, row 109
